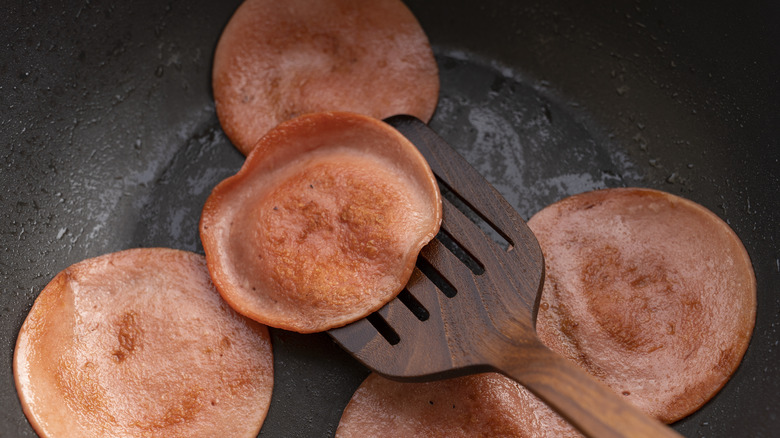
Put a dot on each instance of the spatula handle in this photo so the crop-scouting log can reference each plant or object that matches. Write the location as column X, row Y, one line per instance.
column 586, row 403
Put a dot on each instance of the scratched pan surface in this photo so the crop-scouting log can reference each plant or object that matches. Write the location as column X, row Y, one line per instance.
column 110, row 141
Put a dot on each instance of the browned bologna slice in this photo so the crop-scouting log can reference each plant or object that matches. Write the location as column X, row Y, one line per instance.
column 323, row 223
column 649, row 292
column 279, row 59
column 139, row 343
column 482, row 405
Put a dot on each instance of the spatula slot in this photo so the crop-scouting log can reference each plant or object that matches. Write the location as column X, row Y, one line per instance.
column 413, row 305
column 452, row 244
column 436, row 278
column 474, row 215
column 384, row 329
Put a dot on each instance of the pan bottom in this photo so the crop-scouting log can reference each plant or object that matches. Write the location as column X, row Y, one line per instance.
column 534, row 147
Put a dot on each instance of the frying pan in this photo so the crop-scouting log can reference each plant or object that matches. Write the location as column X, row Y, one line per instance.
column 110, row 141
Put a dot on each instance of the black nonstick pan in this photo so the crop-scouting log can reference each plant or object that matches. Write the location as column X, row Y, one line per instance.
column 110, row 141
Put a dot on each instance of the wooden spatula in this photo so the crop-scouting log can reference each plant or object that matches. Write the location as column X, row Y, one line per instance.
column 471, row 303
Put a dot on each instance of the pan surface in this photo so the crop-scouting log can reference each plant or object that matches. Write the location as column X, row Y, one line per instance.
column 110, row 141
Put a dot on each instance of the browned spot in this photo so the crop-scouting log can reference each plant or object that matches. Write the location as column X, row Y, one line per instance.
column 289, row 111
column 226, row 342
column 655, row 347
column 314, row 217
column 82, row 391
column 128, row 336
column 327, row 43
column 627, row 297
column 641, row 280
column 239, row 382
column 365, row 218
column 273, row 83
column 726, row 360
column 183, row 409
column 345, row 215
column 568, row 327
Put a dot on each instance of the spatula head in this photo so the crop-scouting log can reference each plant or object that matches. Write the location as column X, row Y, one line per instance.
column 475, row 286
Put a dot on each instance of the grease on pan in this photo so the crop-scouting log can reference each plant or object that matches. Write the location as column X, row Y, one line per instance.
column 279, row 59
column 323, row 223
column 139, row 343
column 651, row 293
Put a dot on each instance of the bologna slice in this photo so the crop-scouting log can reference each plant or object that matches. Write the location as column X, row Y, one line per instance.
column 481, row 405
column 323, row 223
column 279, row 59
column 651, row 293
column 139, row 343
